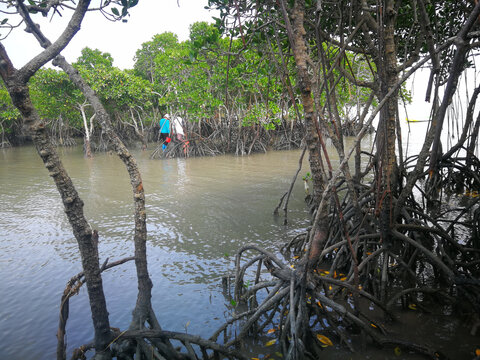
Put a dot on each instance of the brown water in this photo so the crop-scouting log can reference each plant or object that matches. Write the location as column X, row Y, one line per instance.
column 199, row 212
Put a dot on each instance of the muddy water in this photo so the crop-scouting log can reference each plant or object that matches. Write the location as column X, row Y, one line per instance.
column 199, row 212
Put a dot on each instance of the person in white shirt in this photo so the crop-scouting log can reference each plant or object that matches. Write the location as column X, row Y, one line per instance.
column 178, row 126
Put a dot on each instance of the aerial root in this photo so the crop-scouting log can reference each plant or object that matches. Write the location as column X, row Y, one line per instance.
column 71, row 289
column 224, row 139
column 305, row 310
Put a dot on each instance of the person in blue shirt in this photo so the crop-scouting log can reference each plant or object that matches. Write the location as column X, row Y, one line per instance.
column 165, row 130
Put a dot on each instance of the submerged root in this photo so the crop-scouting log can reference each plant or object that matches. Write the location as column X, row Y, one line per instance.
column 427, row 264
column 235, row 140
column 303, row 310
column 300, row 306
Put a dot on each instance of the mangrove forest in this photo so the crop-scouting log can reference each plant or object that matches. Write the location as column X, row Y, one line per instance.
column 388, row 230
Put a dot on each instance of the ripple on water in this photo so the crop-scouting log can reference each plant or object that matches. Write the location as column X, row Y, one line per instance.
column 199, row 212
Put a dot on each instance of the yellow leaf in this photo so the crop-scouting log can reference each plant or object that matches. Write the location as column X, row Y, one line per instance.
column 270, row 331
column 319, row 304
column 255, row 359
column 271, row 342
column 477, row 352
column 412, row 307
column 397, row 351
column 325, row 340
column 296, row 257
column 334, row 274
column 292, row 266
column 330, row 287
column 369, row 253
column 343, row 278
column 373, row 325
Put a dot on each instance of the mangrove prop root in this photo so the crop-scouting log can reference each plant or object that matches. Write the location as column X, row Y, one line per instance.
column 291, row 295
column 72, row 288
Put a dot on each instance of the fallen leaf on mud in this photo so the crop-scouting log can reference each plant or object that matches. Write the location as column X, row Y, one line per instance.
column 270, row 331
column 412, row 307
column 271, row 342
column 397, row 351
column 325, row 340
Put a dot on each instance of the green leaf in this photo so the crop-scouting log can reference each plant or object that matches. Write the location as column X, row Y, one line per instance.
column 115, row 11
column 4, row 21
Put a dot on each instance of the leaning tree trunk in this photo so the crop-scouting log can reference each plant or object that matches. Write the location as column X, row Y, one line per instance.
column 16, row 83
column 143, row 309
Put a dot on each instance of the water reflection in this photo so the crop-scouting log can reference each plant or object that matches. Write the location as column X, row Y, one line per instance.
column 199, row 211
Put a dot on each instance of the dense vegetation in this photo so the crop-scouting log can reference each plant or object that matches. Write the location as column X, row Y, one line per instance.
column 382, row 234
column 226, row 93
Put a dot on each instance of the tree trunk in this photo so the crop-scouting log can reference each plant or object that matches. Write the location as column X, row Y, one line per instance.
column 296, row 37
column 88, row 131
column 386, row 135
column 143, row 307
column 19, row 92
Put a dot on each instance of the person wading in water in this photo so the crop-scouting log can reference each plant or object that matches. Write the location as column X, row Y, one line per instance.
column 165, row 131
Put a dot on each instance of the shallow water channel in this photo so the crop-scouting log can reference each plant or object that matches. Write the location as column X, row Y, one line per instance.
column 199, row 212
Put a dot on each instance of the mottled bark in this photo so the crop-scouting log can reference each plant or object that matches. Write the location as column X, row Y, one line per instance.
column 143, row 309
column 296, row 35
column 16, row 84
column 386, row 135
